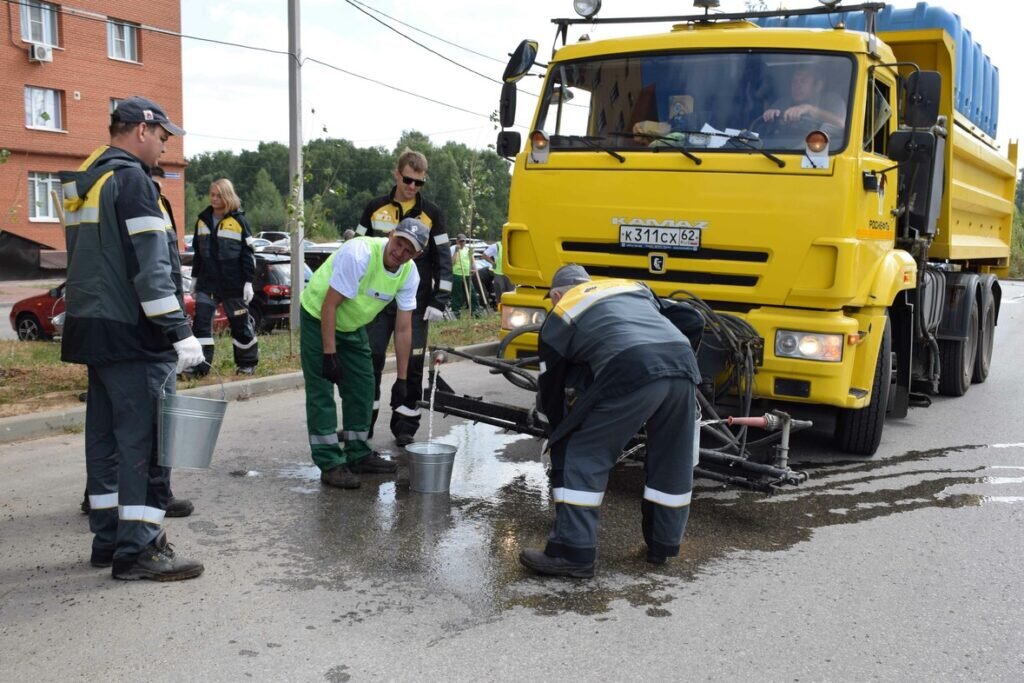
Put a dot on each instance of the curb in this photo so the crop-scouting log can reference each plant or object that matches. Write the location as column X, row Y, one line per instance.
column 72, row 420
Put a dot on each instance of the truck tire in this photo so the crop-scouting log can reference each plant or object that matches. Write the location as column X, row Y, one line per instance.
column 957, row 358
column 983, row 361
column 859, row 430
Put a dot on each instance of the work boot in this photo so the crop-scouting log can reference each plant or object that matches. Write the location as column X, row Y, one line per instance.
column 179, row 507
column 541, row 563
column 247, row 370
column 157, row 562
column 102, row 557
column 341, row 477
column 404, row 439
column 373, row 464
column 655, row 558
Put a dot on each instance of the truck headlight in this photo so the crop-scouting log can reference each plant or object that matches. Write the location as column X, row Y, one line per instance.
column 809, row 345
column 514, row 317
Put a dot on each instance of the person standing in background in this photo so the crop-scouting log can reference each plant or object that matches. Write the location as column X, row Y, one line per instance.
column 501, row 283
column 223, row 270
column 434, row 265
column 463, row 268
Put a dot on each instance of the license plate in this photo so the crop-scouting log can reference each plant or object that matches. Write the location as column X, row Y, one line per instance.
column 645, row 236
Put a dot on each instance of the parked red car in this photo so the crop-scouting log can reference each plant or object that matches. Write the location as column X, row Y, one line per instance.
column 32, row 318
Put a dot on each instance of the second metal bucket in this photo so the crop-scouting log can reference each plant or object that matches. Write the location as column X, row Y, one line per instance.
column 188, row 429
column 430, row 466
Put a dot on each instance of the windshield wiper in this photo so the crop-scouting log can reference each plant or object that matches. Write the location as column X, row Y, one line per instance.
column 674, row 143
column 740, row 138
column 589, row 142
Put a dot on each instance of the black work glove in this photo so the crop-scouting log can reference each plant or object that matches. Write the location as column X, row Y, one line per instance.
column 399, row 391
column 331, row 368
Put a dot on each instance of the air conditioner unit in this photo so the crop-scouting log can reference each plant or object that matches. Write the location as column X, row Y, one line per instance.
column 40, row 53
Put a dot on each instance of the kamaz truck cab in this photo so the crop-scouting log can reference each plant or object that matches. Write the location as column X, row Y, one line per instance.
column 815, row 178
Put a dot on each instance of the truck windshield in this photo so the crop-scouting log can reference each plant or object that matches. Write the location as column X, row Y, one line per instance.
column 698, row 101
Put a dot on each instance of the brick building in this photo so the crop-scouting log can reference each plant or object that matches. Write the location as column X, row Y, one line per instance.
column 64, row 67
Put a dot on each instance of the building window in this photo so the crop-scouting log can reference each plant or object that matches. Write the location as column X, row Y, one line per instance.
column 39, row 22
column 40, row 201
column 122, row 41
column 42, row 108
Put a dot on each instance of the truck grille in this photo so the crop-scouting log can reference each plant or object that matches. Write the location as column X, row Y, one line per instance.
column 703, row 255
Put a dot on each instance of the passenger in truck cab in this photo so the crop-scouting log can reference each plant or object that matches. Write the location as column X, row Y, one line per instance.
column 808, row 99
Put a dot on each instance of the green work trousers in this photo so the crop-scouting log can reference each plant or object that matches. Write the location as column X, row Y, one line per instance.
column 460, row 284
column 355, row 389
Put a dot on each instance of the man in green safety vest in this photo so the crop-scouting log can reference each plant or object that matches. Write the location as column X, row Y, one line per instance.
column 464, row 293
column 344, row 294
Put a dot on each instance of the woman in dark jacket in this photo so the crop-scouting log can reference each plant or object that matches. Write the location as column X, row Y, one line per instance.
column 223, row 271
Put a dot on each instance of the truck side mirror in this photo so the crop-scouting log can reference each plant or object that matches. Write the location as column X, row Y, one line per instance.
column 924, row 89
column 910, row 145
column 507, row 105
column 509, row 143
column 520, row 61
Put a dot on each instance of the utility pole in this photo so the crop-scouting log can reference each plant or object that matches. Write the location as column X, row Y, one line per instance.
column 295, row 216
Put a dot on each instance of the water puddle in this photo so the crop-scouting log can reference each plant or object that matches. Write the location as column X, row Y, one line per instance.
column 464, row 544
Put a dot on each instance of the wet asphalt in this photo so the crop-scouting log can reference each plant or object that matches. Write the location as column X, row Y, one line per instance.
column 905, row 566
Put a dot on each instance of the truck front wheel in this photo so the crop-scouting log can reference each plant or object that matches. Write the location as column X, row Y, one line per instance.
column 957, row 357
column 859, row 430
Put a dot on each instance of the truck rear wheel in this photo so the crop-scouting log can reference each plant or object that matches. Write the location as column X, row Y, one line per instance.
column 983, row 361
column 859, row 430
column 957, row 357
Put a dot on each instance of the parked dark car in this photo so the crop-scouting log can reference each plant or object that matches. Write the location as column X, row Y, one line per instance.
column 34, row 318
column 271, row 302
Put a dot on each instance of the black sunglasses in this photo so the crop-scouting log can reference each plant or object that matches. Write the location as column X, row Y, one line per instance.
column 413, row 181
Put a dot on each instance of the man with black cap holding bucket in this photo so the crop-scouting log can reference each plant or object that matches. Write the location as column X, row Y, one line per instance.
column 613, row 358
column 125, row 322
column 345, row 293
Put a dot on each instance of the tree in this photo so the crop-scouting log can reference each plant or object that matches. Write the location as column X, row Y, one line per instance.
column 264, row 205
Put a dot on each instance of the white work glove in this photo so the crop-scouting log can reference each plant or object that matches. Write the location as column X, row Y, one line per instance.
column 195, row 285
column 247, row 293
column 432, row 315
column 190, row 353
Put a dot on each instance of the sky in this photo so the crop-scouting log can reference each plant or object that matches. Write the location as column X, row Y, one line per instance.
column 236, row 97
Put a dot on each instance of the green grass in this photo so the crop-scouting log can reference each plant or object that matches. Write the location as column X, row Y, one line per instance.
column 33, row 378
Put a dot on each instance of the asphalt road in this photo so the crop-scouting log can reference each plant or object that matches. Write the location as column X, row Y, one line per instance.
column 906, row 566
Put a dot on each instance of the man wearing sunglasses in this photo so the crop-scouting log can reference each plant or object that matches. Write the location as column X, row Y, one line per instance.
column 434, row 265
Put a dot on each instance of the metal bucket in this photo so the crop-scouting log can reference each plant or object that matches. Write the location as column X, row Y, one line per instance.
column 188, row 428
column 430, row 466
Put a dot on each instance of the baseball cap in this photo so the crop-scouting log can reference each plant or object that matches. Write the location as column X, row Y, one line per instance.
column 568, row 276
column 415, row 231
column 140, row 110
column 460, row 238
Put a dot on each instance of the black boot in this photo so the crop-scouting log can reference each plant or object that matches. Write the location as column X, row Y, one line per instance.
column 340, row 477
column 548, row 565
column 157, row 562
column 373, row 464
column 179, row 507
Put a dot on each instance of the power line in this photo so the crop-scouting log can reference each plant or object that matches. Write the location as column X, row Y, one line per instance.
column 427, row 33
column 416, row 42
column 392, row 87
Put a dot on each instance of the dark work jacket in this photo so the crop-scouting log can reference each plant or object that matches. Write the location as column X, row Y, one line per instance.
column 223, row 259
column 434, row 263
column 121, row 303
column 606, row 339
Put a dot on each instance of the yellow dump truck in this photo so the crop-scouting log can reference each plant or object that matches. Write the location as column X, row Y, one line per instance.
column 825, row 182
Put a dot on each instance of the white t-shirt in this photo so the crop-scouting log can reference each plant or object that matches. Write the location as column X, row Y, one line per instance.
column 491, row 251
column 350, row 265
